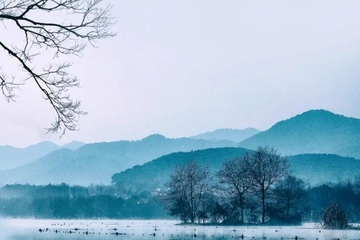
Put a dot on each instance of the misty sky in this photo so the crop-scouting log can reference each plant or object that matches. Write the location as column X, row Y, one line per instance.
column 184, row 67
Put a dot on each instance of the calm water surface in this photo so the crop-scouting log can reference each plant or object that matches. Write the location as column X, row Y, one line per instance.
column 23, row 229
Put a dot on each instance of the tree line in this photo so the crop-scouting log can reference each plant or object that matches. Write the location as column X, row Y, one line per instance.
column 256, row 188
column 99, row 201
column 77, row 202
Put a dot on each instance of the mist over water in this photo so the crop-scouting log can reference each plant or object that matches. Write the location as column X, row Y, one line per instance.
column 28, row 229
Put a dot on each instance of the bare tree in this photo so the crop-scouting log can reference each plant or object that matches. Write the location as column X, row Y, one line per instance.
column 265, row 167
column 235, row 177
column 188, row 187
column 53, row 28
column 290, row 199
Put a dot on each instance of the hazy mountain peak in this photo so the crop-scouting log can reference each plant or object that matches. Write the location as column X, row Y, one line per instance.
column 154, row 137
column 318, row 114
column 11, row 157
column 73, row 145
column 318, row 111
column 316, row 120
column 228, row 134
column 44, row 144
column 314, row 131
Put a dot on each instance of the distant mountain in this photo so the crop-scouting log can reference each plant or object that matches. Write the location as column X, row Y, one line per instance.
column 313, row 168
column 320, row 168
column 315, row 131
column 234, row 135
column 11, row 157
column 350, row 152
column 73, row 145
column 96, row 163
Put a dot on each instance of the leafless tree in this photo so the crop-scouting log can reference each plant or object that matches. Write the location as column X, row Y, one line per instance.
column 290, row 199
column 53, row 28
column 265, row 167
column 188, row 187
column 235, row 178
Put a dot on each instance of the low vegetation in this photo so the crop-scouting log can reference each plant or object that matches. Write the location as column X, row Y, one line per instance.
column 334, row 217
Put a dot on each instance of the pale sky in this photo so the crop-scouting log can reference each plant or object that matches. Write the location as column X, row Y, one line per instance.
column 183, row 67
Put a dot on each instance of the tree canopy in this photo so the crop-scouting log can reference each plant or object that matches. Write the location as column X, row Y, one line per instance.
column 188, row 186
column 266, row 167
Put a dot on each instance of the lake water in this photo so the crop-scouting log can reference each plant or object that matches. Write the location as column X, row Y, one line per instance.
column 29, row 229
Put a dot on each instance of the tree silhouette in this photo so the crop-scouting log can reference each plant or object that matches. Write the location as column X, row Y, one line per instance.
column 187, row 189
column 334, row 217
column 42, row 32
column 235, row 178
column 290, row 199
column 265, row 167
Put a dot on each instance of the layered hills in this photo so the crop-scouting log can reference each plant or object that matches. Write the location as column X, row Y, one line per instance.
column 96, row 163
column 316, row 135
column 11, row 157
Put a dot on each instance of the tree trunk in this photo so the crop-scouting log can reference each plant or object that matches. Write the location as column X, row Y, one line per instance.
column 263, row 206
column 287, row 208
column 192, row 218
column 242, row 209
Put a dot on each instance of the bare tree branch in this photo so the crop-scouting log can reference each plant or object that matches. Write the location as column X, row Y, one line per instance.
column 69, row 26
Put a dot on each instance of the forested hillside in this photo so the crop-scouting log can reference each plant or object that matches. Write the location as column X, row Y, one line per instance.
column 312, row 168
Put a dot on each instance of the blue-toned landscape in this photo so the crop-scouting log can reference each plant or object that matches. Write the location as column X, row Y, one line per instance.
column 179, row 119
column 98, row 181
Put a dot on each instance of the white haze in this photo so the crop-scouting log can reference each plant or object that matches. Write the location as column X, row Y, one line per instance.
column 180, row 68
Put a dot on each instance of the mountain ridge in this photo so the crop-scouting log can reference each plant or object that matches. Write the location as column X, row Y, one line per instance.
column 12, row 157
column 97, row 162
column 314, row 131
column 230, row 134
